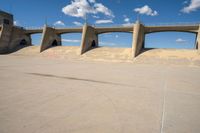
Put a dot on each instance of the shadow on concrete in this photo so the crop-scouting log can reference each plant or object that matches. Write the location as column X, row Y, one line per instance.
column 78, row 79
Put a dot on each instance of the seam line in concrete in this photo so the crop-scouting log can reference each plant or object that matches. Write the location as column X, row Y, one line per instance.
column 164, row 101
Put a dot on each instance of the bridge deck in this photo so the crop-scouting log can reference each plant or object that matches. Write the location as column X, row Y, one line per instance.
column 181, row 28
column 101, row 30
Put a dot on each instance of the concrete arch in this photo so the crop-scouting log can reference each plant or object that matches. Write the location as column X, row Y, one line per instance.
column 113, row 29
column 192, row 32
column 33, row 31
column 114, row 32
column 154, row 29
column 68, row 30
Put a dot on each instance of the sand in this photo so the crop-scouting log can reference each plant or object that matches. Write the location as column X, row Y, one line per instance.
column 55, row 94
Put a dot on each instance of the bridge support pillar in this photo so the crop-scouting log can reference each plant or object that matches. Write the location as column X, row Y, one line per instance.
column 19, row 39
column 11, row 38
column 89, row 38
column 198, row 40
column 5, row 33
column 49, row 38
column 138, row 39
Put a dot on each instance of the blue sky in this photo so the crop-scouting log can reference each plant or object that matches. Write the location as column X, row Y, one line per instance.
column 71, row 13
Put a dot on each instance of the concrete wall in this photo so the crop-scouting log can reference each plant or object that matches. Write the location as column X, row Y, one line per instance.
column 138, row 39
column 18, row 34
column 88, row 35
column 6, row 16
column 10, row 38
column 48, row 36
column 198, row 40
column 5, row 34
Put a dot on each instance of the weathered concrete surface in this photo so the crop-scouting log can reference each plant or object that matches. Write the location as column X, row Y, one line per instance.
column 18, row 34
column 198, row 40
column 101, row 30
column 6, row 16
column 63, row 52
column 5, row 34
column 88, row 36
column 28, row 51
column 49, row 35
column 60, row 96
column 138, row 39
column 108, row 54
column 175, row 28
column 68, row 30
column 10, row 38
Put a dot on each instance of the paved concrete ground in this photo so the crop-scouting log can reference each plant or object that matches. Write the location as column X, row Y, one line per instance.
column 42, row 95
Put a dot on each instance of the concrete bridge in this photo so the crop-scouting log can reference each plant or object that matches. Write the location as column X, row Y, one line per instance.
column 12, row 36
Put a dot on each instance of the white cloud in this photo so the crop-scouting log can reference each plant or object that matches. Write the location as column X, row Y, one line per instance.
column 16, row 23
column 59, row 23
column 95, row 16
column 92, row 1
column 107, row 43
column 102, row 9
column 71, row 41
column 126, row 20
column 180, row 40
column 104, row 21
column 146, row 10
column 110, row 44
column 193, row 6
column 79, row 8
column 77, row 23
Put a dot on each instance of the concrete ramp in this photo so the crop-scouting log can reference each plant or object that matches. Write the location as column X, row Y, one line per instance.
column 171, row 53
column 169, row 56
column 109, row 54
column 69, row 52
column 28, row 51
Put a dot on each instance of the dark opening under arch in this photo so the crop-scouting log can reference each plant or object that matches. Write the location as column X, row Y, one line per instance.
column 23, row 42
column 55, row 43
column 93, row 43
